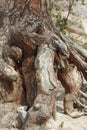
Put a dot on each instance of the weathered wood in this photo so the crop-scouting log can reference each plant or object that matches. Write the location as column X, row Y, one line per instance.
column 44, row 105
column 69, row 79
column 30, row 46
column 30, row 83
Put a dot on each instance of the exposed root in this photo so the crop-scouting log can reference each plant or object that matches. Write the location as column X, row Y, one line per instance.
column 82, row 93
column 52, row 75
column 76, row 114
column 45, row 75
column 80, row 103
column 7, row 72
column 42, row 109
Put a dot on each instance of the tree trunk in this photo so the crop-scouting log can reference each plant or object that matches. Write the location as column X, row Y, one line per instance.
column 34, row 58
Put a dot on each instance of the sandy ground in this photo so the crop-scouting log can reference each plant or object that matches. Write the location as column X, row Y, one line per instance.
column 67, row 122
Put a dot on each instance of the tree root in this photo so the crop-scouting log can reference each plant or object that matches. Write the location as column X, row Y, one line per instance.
column 7, row 71
column 80, row 103
column 45, row 75
column 44, row 105
column 76, row 114
column 82, row 93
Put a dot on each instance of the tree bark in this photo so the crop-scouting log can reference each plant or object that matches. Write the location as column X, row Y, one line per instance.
column 34, row 58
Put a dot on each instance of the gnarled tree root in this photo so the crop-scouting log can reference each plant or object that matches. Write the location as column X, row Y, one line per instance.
column 82, row 93
column 44, row 105
column 76, row 114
